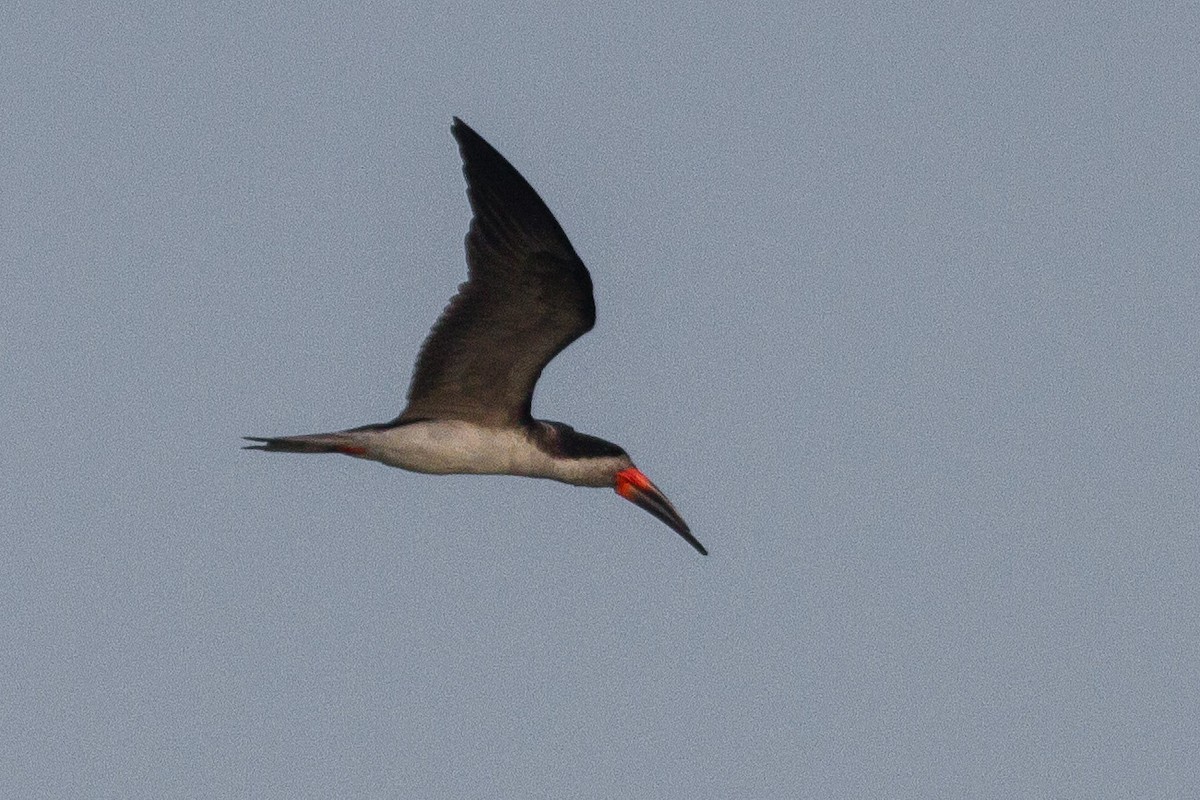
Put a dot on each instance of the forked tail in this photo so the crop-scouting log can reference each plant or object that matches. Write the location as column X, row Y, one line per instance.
column 308, row 443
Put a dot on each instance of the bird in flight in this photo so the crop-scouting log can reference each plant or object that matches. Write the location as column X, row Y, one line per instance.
column 527, row 296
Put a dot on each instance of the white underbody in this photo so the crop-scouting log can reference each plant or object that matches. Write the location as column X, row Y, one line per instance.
column 445, row 447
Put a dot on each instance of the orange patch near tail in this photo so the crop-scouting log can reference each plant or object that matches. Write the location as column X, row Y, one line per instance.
column 358, row 451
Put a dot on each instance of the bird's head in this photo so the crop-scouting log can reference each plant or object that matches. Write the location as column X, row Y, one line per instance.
column 592, row 461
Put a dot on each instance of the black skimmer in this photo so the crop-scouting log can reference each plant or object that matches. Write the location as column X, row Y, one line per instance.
column 527, row 296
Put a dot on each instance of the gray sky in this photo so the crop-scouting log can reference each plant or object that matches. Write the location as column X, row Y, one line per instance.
column 900, row 306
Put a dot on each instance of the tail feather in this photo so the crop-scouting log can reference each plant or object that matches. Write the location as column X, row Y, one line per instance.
column 308, row 443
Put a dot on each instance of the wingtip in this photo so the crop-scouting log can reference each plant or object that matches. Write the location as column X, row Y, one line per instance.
column 468, row 139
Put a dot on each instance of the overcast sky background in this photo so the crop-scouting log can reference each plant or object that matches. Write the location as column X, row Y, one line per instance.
column 899, row 304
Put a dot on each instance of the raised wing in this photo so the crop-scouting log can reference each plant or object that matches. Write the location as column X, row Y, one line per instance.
column 527, row 297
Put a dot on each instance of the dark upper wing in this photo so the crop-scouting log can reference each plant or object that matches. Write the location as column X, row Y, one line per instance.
column 527, row 296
